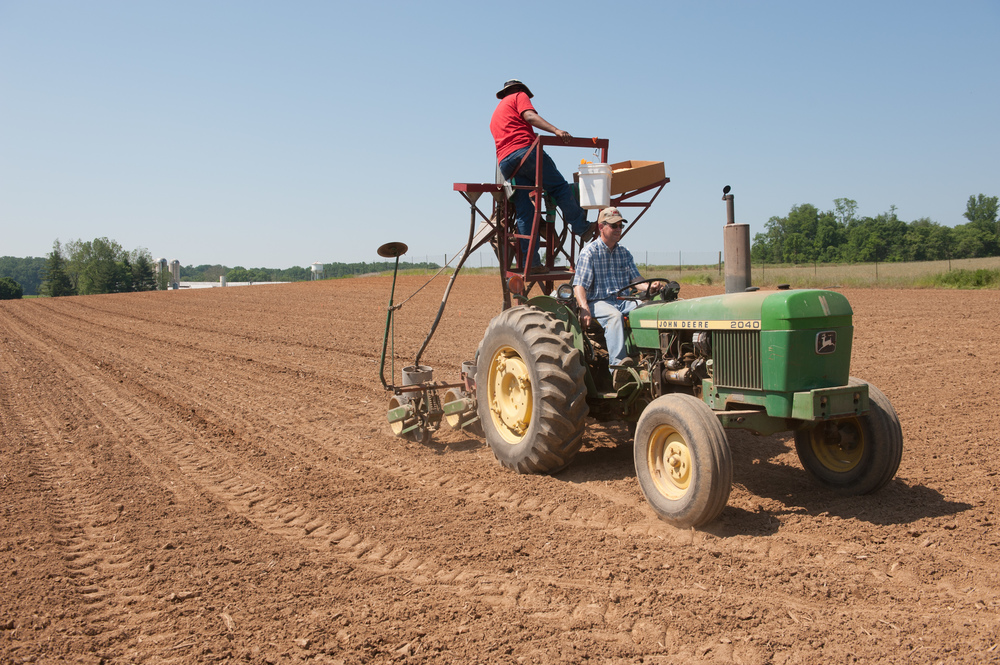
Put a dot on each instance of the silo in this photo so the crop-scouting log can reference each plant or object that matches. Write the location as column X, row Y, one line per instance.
column 175, row 274
column 160, row 270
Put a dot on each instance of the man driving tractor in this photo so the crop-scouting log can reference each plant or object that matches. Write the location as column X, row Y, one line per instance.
column 604, row 268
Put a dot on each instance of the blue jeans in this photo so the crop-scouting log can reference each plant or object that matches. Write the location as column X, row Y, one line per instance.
column 553, row 184
column 609, row 314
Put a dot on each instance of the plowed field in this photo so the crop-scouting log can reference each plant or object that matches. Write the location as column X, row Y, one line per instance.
column 200, row 476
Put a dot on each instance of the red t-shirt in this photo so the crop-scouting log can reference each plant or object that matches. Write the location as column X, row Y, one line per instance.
column 510, row 131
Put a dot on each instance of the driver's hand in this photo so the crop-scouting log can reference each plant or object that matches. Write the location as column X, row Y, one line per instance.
column 655, row 288
column 585, row 318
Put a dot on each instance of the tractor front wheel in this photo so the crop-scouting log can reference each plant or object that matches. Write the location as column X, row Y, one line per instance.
column 531, row 391
column 682, row 460
column 858, row 455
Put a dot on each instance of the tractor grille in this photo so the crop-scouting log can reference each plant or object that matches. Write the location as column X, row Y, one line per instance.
column 736, row 359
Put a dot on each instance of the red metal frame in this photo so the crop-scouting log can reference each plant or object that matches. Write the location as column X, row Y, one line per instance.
column 507, row 246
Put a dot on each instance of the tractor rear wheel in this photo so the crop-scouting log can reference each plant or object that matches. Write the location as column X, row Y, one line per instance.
column 682, row 460
column 858, row 455
column 532, row 396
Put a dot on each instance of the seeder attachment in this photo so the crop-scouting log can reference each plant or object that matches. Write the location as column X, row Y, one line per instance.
column 419, row 403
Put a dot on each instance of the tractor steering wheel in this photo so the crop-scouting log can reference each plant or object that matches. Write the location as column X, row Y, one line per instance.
column 636, row 292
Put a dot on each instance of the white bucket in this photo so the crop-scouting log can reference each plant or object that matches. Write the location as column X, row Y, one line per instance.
column 595, row 186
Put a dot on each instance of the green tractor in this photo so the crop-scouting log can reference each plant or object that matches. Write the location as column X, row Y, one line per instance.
column 761, row 361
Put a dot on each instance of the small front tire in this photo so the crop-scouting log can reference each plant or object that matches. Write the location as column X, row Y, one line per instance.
column 682, row 460
column 854, row 456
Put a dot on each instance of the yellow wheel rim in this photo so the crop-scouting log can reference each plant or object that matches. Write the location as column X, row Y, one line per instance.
column 397, row 428
column 841, row 456
column 668, row 458
column 454, row 419
column 509, row 393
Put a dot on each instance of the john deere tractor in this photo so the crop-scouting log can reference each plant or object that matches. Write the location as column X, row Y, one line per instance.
column 762, row 361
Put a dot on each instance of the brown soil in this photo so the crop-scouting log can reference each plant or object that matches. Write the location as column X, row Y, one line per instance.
column 199, row 476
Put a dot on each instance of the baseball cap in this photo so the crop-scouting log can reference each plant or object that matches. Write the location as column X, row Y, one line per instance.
column 610, row 216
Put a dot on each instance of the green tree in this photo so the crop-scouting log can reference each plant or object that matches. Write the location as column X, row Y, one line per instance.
column 940, row 243
column 845, row 210
column 56, row 281
column 28, row 272
column 9, row 289
column 971, row 241
column 768, row 247
column 97, row 266
column 829, row 238
column 142, row 271
column 102, row 266
column 238, row 274
column 981, row 211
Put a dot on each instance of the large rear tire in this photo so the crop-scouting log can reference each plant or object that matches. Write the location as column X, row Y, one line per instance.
column 858, row 455
column 682, row 460
column 531, row 389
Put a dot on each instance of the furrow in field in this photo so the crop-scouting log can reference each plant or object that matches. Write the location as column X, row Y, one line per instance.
column 258, row 497
column 100, row 566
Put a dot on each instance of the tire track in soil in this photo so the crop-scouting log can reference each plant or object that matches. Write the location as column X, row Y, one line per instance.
column 579, row 511
column 259, row 499
column 99, row 565
column 210, row 469
column 174, row 333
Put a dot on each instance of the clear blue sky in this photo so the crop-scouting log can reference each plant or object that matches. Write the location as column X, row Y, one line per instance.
column 272, row 134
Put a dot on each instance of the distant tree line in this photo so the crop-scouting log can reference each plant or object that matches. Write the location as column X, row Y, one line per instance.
column 96, row 266
column 211, row 273
column 806, row 235
column 334, row 270
column 101, row 265
column 27, row 272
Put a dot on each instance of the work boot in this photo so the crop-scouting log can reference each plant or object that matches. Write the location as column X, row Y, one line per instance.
column 622, row 376
column 590, row 233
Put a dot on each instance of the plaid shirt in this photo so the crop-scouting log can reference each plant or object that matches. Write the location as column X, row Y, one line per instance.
column 603, row 272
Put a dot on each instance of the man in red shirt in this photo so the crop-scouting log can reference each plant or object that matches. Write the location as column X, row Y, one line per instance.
column 512, row 127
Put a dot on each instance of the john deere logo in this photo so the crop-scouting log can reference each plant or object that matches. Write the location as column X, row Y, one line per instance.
column 826, row 342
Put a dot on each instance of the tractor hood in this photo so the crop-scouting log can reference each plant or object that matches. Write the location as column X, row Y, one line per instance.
column 756, row 310
column 778, row 342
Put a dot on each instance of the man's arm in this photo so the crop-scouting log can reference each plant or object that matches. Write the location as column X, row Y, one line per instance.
column 581, row 300
column 535, row 120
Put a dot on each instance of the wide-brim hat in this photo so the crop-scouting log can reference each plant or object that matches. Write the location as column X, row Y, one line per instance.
column 610, row 216
column 513, row 83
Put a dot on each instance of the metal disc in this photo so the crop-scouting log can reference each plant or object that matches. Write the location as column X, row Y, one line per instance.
column 392, row 249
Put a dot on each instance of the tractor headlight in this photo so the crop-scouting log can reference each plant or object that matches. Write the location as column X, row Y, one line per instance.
column 564, row 292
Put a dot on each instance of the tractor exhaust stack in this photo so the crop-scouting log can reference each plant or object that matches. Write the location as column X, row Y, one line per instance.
column 736, row 241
